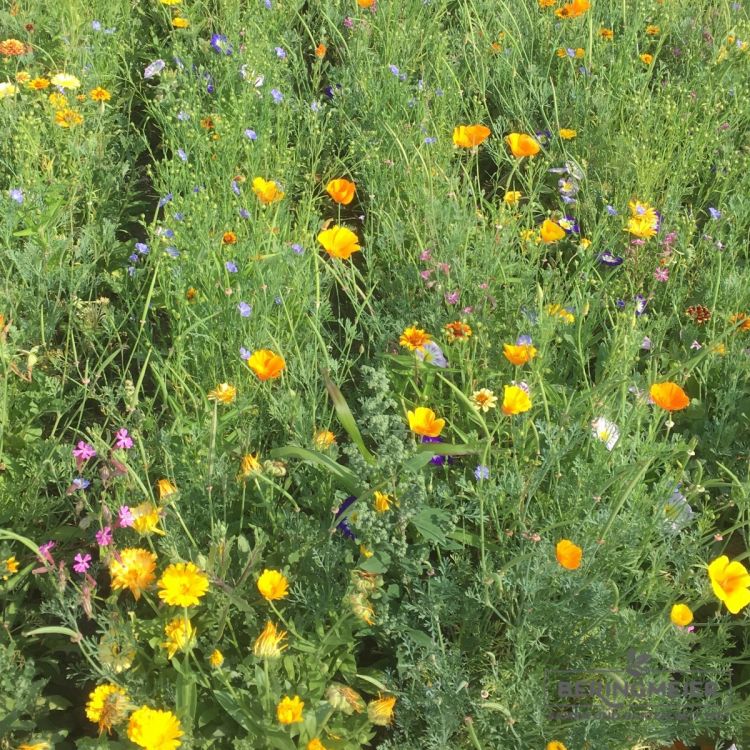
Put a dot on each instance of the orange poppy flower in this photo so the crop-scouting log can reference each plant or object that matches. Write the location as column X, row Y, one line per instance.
column 468, row 136
column 267, row 365
column 669, row 396
column 573, row 9
column 341, row 190
column 522, row 145
column 519, row 354
column 424, row 421
column 568, row 554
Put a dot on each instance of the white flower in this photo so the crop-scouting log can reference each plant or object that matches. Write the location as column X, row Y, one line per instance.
column 8, row 89
column 606, row 431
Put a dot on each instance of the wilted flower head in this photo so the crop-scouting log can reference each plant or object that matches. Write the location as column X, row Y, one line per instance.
column 268, row 645
column 380, row 711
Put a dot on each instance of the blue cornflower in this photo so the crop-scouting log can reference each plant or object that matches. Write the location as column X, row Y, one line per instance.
column 611, row 210
column 524, row 340
column 715, row 213
column 183, row 116
column 154, row 68
column 220, row 44
column 278, row 97
column 16, row 195
column 235, row 187
column 298, row 248
column 244, row 213
column 133, row 258
column 230, row 266
column 181, row 153
column 244, row 309
column 172, row 252
column 166, row 199
column 244, row 353
column 482, row 472
column 280, row 53
column 142, row 248
column 251, row 134
column 429, row 140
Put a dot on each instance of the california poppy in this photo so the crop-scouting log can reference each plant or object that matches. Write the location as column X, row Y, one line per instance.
column 469, row 136
column 267, row 190
column 669, row 396
column 341, row 190
column 339, row 242
column 515, row 400
column 519, row 354
column 267, row 365
column 424, row 421
column 568, row 554
column 730, row 582
column 551, row 231
column 522, row 145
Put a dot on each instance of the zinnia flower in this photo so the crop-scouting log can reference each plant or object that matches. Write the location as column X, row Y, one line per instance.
column 730, row 582
column 519, row 354
column 568, row 554
column 266, row 364
column 551, row 231
column 522, row 145
column 669, row 396
column 289, row 710
column 681, row 615
column 469, row 136
column 179, row 634
column 515, row 400
column 154, row 729
column 423, row 421
column 268, row 644
column 267, row 191
column 107, row 706
column 134, row 570
column 341, row 190
column 339, row 242
column 12, row 48
column 414, row 338
column 273, row 585
column 380, row 711
column 182, row 585
column 224, row 392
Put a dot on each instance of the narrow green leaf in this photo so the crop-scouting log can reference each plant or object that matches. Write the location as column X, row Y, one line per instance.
column 341, row 474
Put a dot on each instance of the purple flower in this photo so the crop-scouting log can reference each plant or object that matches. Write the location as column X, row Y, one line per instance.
column 608, row 259
column 437, row 460
column 315, row 106
column 154, row 68
column 715, row 213
column 104, row 536
column 166, row 199
column 278, row 97
column 482, row 472
column 244, row 353
column 524, row 340
column 124, row 517
column 235, row 187
column 298, row 249
column 79, row 483
column 646, row 343
column 83, row 451
column 179, row 216
column 44, row 552
column 133, row 258
column 661, row 273
column 142, row 248
column 348, row 23
column 696, row 345
column 123, row 440
column 230, row 266
column 620, row 304
column 244, row 213
column 96, row 26
column 251, row 134
column 183, row 116
column 220, row 45
column 343, row 525
column 640, row 304
column 16, row 194
column 452, row 297
column 429, row 141
column 280, row 53
column 244, row 309
column 432, row 354
column 611, row 210
column 396, row 72
column 82, row 563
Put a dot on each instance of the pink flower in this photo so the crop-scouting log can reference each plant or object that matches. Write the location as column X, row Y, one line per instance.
column 124, row 517
column 426, row 274
column 444, row 267
column 426, row 254
column 348, row 23
column 123, row 440
column 44, row 552
column 104, row 536
column 83, row 452
column 82, row 563
column 661, row 274
column 452, row 297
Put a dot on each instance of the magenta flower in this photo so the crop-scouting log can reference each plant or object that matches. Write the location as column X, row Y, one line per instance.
column 123, row 440
column 452, row 297
column 82, row 563
column 661, row 274
column 83, row 452
column 44, row 552
column 104, row 536
column 124, row 517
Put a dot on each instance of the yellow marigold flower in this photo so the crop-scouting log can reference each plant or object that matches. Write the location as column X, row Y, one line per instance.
column 484, row 399
column 154, row 729
column 345, row 699
column 341, row 191
column 146, row 518
column 182, row 584
column 165, row 488
column 730, row 582
column 414, row 338
column 469, row 136
column 8, row 89
column 38, row 84
column 522, row 145
column 216, row 659
column 380, row 711
column 607, row 34
column 382, row 502
column 515, row 400
column 424, row 421
column 12, row 48
column 223, row 392
column 273, row 585
column 267, row 191
column 519, row 354
column 133, row 570
column 339, row 242
column 266, row 364
column 551, row 231
column 568, row 554
column 320, row 51
column 100, row 95
column 653, row 30
column 555, row 745
column 315, row 744
column 681, row 615
column 560, row 312
column 250, row 465
column 289, row 710
column 65, row 81
column 669, row 396
column 457, row 331
column 268, row 644
column 567, row 134
column 180, row 23
column 68, row 118
column 646, row 59
column 179, row 634
column 107, row 706
column 324, row 439
column 573, row 9
column 512, row 197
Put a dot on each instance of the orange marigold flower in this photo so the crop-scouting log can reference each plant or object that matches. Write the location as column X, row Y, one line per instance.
column 457, row 331
column 339, row 242
column 669, row 396
column 519, row 354
column 573, row 9
column 38, row 84
column 414, row 338
column 646, row 59
column 266, row 364
column 341, row 190
column 229, row 238
column 522, row 145
column 424, row 421
column 469, row 136
column 568, row 554
column 100, row 95
column 12, row 48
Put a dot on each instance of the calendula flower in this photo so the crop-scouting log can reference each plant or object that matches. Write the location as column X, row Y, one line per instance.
column 165, row 488
column 320, row 51
column 424, row 421
column 68, row 118
column 512, row 197
column 343, row 698
column 382, row 502
column 324, row 439
column 99, row 94
column 380, row 711
column 567, row 134
column 484, row 399
column 133, row 570
column 273, row 585
column 289, row 710
column 669, row 396
column 266, row 364
column 216, row 659
column 107, row 706
column 267, row 191
column 154, row 729
column 182, row 585
column 519, row 354
column 57, row 100
column 65, row 81
column 224, row 393
column 179, row 634
column 268, row 644
column 607, row 34
column 606, row 431
column 646, row 59
column 11, row 566
column 362, row 608
column 146, row 519
column 551, row 232
column 568, row 554
column 414, row 338
column 339, row 242
column 469, row 136
column 653, row 30
column 522, row 145
column 341, row 191
column 681, row 615
column 515, row 400
column 573, row 9
column 730, row 582
column 38, row 84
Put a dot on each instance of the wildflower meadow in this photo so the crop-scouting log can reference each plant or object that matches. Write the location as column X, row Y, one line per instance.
column 375, row 374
